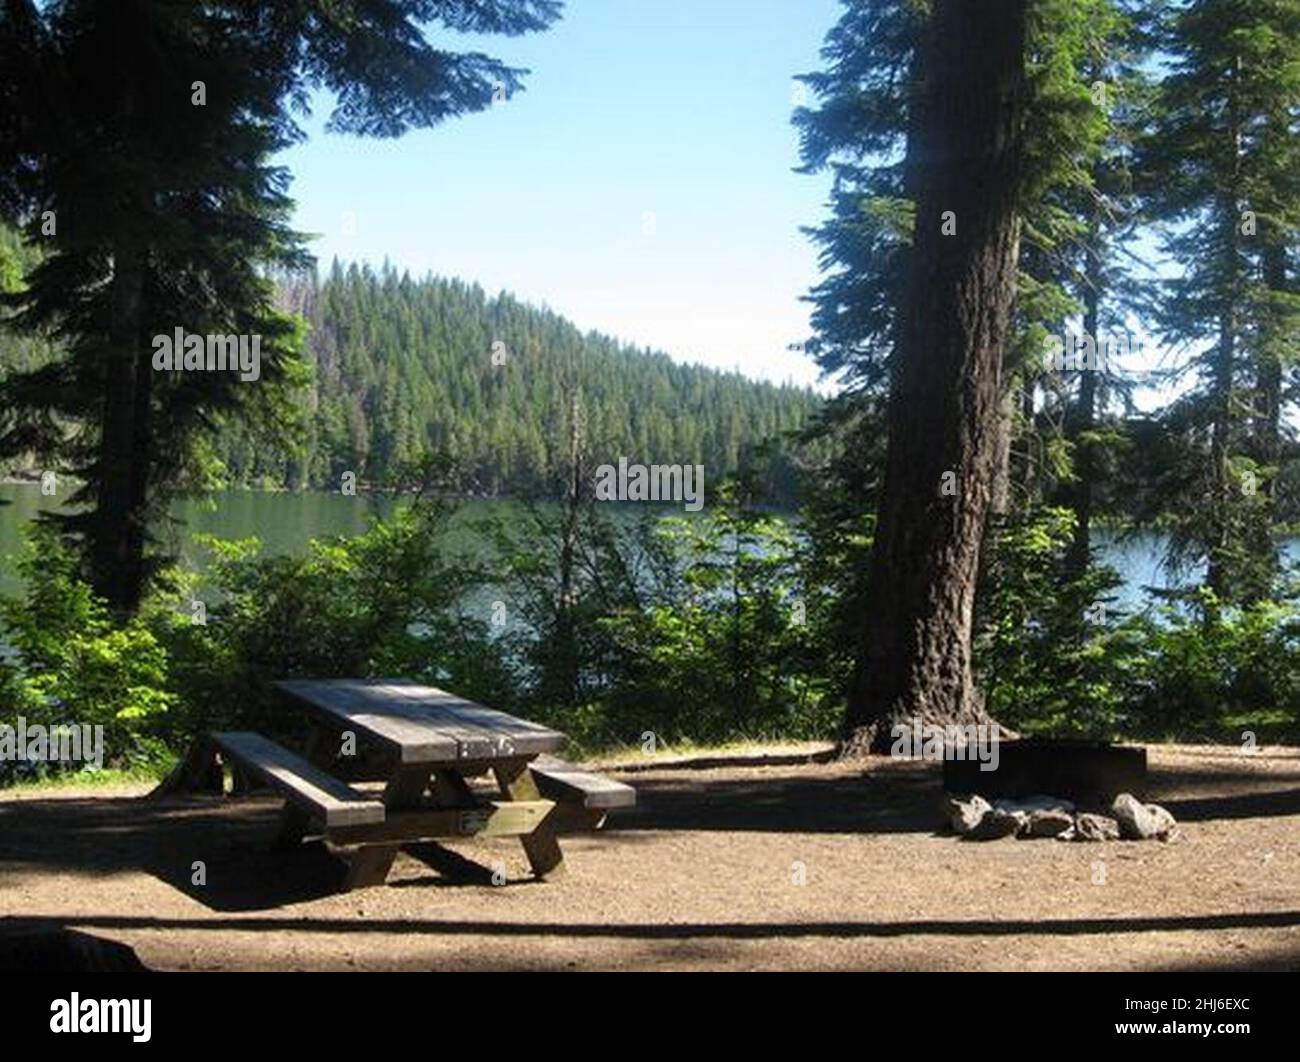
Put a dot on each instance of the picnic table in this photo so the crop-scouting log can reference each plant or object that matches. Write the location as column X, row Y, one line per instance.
column 426, row 745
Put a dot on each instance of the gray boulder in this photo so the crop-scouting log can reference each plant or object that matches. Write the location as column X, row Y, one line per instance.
column 1140, row 822
column 965, row 814
column 1092, row 827
column 999, row 822
column 1049, row 822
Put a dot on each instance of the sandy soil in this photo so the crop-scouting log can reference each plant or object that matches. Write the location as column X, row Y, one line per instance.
column 703, row 874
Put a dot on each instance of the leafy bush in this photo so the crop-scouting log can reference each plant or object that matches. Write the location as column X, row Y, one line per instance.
column 1214, row 671
column 698, row 628
column 388, row 602
column 723, row 626
column 1051, row 661
column 1053, row 653
column 731, row 648
column 72, row 665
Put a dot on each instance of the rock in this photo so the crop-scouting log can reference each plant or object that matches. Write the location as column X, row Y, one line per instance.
column 998, row 822
column 1049, row 822
column 1140, row 822
column 1091, row 827
column 965, row 815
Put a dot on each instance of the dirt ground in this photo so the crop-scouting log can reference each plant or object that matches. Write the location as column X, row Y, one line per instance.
column 704, row 874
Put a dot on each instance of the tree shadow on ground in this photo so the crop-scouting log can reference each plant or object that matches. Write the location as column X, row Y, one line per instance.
column 902, row 802
column 1237, row 806
column 219, row 851
column 231, row 838
column 974, row 927
column 902, row 797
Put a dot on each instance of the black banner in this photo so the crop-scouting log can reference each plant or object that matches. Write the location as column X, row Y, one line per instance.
column 779, row 1011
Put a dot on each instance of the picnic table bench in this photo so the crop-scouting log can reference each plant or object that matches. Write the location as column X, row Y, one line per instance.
column 428, row 744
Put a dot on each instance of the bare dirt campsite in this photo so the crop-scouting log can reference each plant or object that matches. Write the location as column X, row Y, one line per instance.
column 757, row 860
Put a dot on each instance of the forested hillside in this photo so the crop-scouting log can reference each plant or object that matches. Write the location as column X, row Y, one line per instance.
column 403, row 368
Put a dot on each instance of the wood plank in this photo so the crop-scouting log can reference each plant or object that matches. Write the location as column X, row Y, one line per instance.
column 422, row 723
column 565, row 783
column 541, row 846
column 294, row 824
column 409, row 734
column 492, row 819
column 525, row 736
column 335, row 802
column 370, row 864
column 473, row 740
column 450, row 790
column 574, row 818
column 483, row 733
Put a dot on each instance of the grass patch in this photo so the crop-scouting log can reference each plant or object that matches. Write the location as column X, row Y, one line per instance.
column 91, row 778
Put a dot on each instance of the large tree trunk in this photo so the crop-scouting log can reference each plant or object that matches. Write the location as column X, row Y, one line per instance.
column 966, row 148
column 1218, row 569
column 117, row 539
column 118, row 528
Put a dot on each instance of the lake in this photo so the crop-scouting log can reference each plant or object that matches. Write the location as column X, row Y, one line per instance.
column 286, row 522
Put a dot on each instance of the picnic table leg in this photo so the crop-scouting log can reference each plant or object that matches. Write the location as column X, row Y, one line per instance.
column 370, row 863
column 541, row 846
column 198, row 771
column 294, row 822
column 450, row 790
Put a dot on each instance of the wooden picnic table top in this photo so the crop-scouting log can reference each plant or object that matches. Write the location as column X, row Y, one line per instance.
column 423, row 724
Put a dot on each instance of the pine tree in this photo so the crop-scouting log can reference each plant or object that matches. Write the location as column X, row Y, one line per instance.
column 964, row 168
column 144, row 129
column 1221, row 176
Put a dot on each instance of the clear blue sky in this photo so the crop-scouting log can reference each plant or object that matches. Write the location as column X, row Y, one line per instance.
column 642, row 184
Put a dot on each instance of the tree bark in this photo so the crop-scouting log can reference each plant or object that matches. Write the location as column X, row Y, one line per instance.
column 117, row 543
column 967, row 148
column 1218, row 569
column 1000, row 493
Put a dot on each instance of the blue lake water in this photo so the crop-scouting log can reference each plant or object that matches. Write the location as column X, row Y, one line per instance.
column 285, row 523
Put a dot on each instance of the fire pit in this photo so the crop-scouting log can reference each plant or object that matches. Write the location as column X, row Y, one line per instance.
column 1066, row 788
column 1087, row 773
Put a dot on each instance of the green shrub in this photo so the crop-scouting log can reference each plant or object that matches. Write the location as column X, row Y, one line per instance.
column 72, row 665
column 388, row 602
column 734, row 646
column 1214, row 671
column 1053, row 653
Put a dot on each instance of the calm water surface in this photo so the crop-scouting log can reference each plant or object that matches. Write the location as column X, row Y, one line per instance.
column 286, row 522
